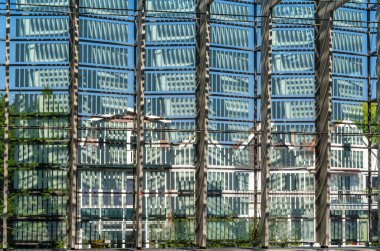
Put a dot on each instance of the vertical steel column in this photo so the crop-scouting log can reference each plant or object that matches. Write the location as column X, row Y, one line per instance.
column 201, row 138
column 266, row 72
column 6, row 124
column 73, row 144
column 378, row 109
column 140, row 78
column 369, row 126
column 323, row 83
column 323, row 96
column 255, row 128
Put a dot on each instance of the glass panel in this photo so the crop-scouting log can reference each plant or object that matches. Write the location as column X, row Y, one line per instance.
column 38, row 125
column 105, row 128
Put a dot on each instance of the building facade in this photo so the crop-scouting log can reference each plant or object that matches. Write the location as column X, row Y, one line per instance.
column 35, row 75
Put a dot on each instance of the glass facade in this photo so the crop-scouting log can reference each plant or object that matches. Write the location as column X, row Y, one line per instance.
column 106, row 92
column 292, row 197
column 39, row 123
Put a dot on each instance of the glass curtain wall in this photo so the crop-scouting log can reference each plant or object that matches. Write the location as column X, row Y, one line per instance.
column 105, row 124
column 293, row 114
column 39, row 120
column 39, row 123
column 231, row 152
column 168, row 202
column 352, row 163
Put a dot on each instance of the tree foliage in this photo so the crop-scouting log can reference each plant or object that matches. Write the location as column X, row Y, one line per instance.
column 369, row 124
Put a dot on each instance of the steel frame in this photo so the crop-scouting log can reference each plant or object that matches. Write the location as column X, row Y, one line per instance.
column 378, row 110
column 6, row 125
column 140, row 120
column 256, row 163
column 201, row 121
column 323, row 96
column 369, row 128
column 323, row 64
column 266, row 75
column 73, row 144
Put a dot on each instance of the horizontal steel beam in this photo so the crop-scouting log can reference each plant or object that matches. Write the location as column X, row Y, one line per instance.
column 329, row 6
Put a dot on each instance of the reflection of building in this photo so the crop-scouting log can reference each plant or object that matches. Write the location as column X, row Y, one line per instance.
column 349, row 185
column 39, row 94
column 294, row 190
column 105, row 195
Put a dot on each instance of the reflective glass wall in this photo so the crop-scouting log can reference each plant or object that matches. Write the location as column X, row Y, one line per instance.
column 353, row 176
column 232, row 120
column 168, row 183
column 39, row 125
column 353, row 164
column 293, row 124
column 105, row 124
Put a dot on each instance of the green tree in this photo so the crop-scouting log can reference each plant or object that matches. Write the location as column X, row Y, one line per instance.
column 369, row 124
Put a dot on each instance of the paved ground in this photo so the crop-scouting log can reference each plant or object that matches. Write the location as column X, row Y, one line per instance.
column 227, row 249
column 275, row 249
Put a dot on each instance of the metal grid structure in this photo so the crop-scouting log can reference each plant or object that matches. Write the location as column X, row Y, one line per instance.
column 148, row 123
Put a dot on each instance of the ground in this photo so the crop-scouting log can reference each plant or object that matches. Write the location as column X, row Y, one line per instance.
column 228, row 249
